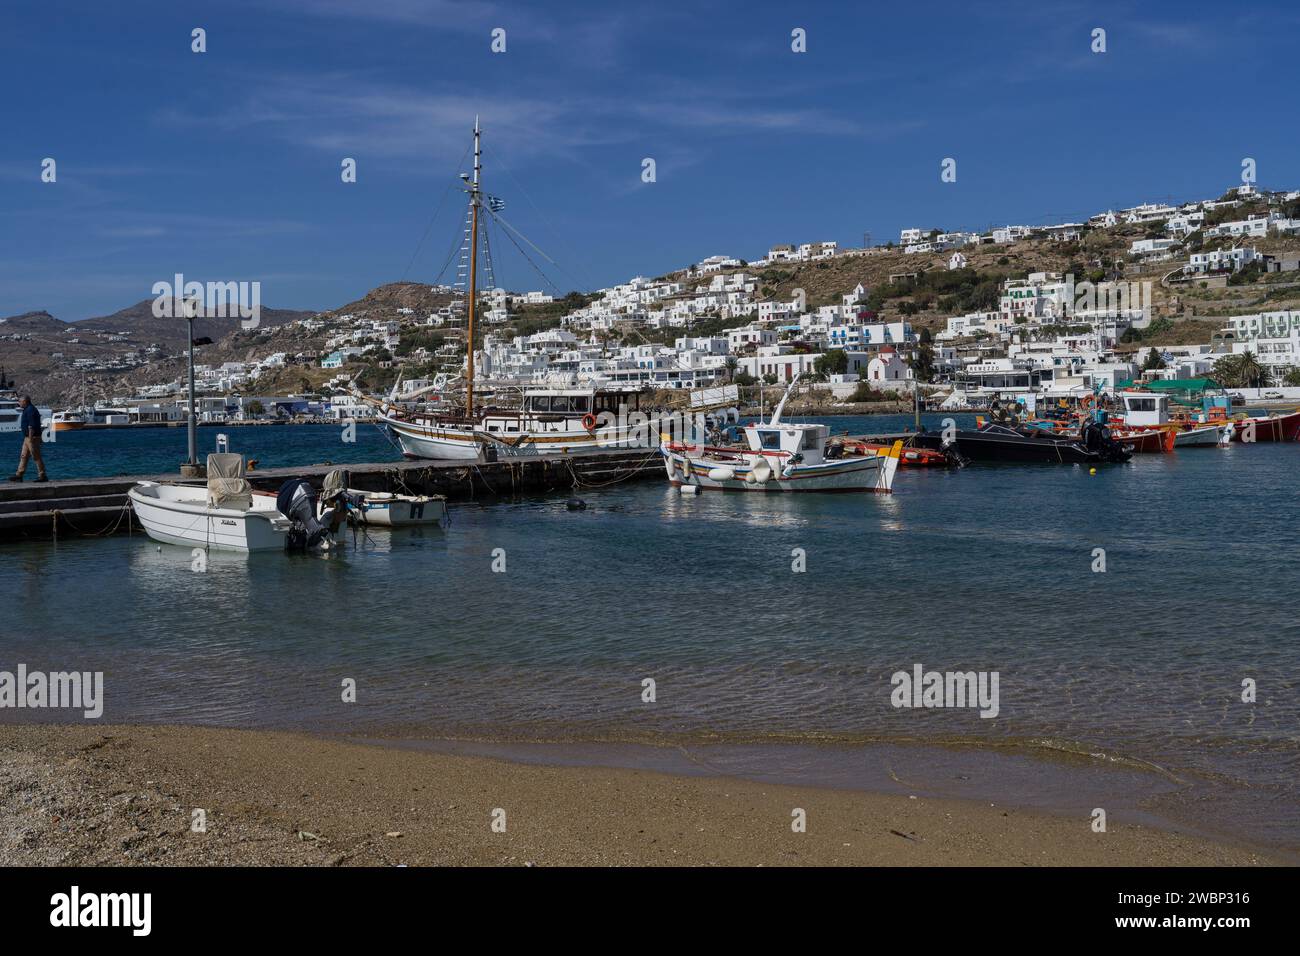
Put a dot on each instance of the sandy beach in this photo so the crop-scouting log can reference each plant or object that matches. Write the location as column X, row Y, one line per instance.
column 126, row 795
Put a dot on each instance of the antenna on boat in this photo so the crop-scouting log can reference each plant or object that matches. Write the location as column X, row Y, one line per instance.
column 474, row 202
column 776, row 415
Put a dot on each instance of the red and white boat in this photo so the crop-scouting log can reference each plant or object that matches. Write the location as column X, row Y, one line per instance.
column 1148, row 412
column 1267, row 428
column 911, row 457
column 1147, row 440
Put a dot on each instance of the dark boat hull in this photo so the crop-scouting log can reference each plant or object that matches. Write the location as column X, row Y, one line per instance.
column 1006, row 446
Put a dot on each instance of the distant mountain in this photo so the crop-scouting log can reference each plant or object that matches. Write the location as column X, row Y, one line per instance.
column 33, row 323
column 37, row 350
column 134, row 348
column 139, row 326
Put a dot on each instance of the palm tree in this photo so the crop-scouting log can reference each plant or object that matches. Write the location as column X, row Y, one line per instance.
column 731, row 364
column 1241, row 371
column 1251, row 372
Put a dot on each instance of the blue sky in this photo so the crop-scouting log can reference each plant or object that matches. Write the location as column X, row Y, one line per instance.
column 225, row 165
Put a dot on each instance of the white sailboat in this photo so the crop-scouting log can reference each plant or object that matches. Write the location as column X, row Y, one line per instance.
column 568, row 421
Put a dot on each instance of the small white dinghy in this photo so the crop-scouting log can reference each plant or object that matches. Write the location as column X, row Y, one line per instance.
column 224, row 515
column 398, row 511
column 1201, row 435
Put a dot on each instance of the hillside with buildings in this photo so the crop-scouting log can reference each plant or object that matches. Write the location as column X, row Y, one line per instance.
column 1156, row 289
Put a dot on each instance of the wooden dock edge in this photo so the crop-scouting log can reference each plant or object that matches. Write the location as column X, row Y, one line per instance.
column 89, row 507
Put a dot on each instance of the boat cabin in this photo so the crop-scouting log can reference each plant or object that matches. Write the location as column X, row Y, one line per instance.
column 1145, row 409
column 787, row 440
column 576, row 402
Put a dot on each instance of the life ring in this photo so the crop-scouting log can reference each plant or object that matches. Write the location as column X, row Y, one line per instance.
column 589, row 422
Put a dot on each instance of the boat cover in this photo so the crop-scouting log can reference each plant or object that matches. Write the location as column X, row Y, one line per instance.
column 335, row 482
column 227, row 487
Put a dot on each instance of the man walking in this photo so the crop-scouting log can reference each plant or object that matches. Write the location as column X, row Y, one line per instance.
column 30, row 425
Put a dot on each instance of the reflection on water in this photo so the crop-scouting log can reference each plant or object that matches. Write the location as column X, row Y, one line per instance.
column 984, row 569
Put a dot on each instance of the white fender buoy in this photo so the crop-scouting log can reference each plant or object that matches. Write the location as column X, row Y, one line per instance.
column 690, row 489
column 722, row 473
column 761, row 472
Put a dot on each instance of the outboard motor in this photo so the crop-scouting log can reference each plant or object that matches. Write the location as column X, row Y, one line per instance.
column 1096, row 438
column 297, row 502
column 955, row 458
column 952, row 451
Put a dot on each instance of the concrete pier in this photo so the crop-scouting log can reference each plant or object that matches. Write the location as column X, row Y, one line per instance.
column 98, row 506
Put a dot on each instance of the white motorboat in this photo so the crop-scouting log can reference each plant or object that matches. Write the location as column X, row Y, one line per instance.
column 10, row 413
column 68, row 420
column 182, row 514
column 225, row 514
column 780, row 457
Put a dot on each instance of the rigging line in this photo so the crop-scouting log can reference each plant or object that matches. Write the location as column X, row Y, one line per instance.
column 585, row 283
column 528, row 259
column 428, row 226
column 577, row 282
column 436, row 212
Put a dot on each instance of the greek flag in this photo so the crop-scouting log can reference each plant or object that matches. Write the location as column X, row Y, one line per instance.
column 495, row 204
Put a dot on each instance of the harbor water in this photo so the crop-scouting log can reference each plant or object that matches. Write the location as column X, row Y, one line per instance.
column 770, row 626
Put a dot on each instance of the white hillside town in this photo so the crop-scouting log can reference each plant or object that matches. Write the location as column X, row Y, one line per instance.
column 717, row 321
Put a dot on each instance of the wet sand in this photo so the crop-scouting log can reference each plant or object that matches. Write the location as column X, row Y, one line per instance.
column 123, row 795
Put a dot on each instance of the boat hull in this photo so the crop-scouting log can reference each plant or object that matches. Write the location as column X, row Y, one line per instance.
column 419, row 440
column 401, row 511
column 980, row 446
column 1273, row 428
column 1203, row 437
column 910, row 458
column 1153, row 441
column 871, row 474
column 196, row 526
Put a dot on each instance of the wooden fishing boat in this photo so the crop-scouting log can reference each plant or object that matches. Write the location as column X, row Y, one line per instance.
column 1267, row 428
column 780, row 457
column 1146, row 440
column 911, row 457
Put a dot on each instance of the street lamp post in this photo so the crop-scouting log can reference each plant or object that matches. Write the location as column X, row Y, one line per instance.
column 193, row 421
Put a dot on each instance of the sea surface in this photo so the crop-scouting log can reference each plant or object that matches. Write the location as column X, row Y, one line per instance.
column 1118, row 688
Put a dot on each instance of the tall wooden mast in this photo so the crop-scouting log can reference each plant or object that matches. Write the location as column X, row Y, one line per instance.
column 474, row 202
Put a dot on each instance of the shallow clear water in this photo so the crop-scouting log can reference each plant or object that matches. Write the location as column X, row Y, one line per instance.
column 988, row 568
